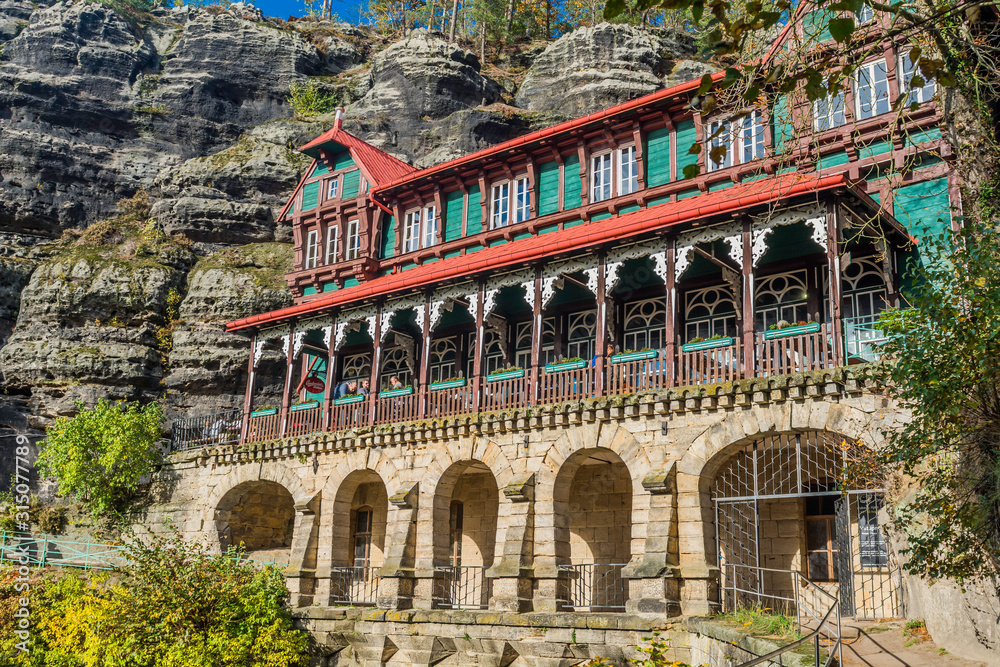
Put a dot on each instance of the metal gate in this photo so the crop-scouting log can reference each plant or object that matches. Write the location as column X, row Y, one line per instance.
column 763, row 495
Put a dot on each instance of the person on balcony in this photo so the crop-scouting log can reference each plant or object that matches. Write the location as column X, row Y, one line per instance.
column 365, row 389
column 345, row 389
column 394, row 383
column 217, row 430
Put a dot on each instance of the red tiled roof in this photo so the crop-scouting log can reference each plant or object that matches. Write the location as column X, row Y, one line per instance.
column 379, row 167
column 637, row 103
column 581, row 237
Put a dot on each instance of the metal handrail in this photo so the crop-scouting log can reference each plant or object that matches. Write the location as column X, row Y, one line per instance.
column 823, row 623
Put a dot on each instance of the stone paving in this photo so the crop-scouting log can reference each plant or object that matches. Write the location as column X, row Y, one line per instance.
column 892, row 644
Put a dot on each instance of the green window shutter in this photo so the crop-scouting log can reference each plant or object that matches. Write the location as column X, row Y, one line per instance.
column 687, row 136
column 351, row 179
column 453, row 215
column 310, row 196
column 924, row 208
column 571, row 183
column 548, row 188
column 388, row 237
column 657, row 157
column 319, row 169
column 475, row 211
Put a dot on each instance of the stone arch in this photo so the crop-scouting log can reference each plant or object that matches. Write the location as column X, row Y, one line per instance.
column 359, row 490
column 607, row 436
column 469, row 486
column 258, row 516
column 713, row 447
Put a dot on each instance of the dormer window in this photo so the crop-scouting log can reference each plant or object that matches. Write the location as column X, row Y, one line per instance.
column 333, row 188
column 742, row 141
column 510, row 201
column 604, row 169
column 500, row 208
column 864, row 15
column 910, row 77
column 720, row 135
column 751, row 137
column 600, row 177
column 628, row 170
column 829, row 111
column 522, row 200
column 353, row 239
column 871, row 90
column 312, row 249
column 419, row 229
column 332, row 244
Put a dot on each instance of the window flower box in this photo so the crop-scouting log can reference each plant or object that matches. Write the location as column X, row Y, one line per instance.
column 796, row 330
column 348, row 400
column 633, row 356
column 512, row 374
column 305, row 406
column 566, row 366
column 264, row 412
column 447, row 384
column 707, row 344
column 393, row 393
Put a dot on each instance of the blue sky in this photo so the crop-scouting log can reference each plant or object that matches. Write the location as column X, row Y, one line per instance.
column 348, row 10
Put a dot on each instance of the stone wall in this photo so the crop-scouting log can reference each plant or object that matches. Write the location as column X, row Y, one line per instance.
column 478, row 495
column 600, row 514
column 259, row 516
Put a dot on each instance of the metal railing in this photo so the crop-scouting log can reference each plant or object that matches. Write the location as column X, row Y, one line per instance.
column 596, row 587
column 218, row 428
column 462, row 587
column 354, row 585
column 742, row 587
column 57, row 551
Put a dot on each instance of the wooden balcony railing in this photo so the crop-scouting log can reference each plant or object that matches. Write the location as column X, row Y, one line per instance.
column 803, row 348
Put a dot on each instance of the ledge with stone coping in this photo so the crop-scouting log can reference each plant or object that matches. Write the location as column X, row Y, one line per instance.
column 728, row 636
column 696, row 398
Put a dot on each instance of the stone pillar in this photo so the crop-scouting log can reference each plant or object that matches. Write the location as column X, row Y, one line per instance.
column 699, row 571
column 396, row 586
column 652, row 579
column 511, row 576
column 301, row 574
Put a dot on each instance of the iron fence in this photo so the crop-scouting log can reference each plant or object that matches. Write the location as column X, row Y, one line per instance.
column 462, row 587
column 354, row 585
column 215, row 429
column 596, row 586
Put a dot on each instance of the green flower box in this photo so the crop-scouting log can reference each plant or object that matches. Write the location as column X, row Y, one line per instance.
column 508, row 375
column 797, row 330
column 708, row 344
column 448, row 384
column 266, row 412
column 305, row 406
column 393, row 393
column 348, row 400
column 633, row 356
column 567, row 366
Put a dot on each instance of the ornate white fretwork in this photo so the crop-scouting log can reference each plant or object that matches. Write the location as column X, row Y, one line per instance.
column 592, row 276
column 611, row 268
column 660, row 264
column 258, row 351
column 338, row 339
column 298, row 339
column 276, row 332
column 813, row 215
column 472, row 301
column 549, row 285
column 436, row 309
column 352, row 320
column 489, row 301
column 497, row 283
column 686, row 242
column 327, row 331
column 285, row 340
column 613, row 263
column 313, row 323
column 529, row 293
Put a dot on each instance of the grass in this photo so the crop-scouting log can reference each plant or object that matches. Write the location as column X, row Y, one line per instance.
column 763, row 623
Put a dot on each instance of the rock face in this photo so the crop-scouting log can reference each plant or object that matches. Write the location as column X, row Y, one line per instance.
column 594, row 68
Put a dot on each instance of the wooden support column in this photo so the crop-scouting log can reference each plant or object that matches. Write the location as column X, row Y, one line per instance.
column 376, row 358
column 536, row 336
column 836, row 308
column 251, row 381
column 670, row 314
column 600, row 338
column 749, row 348
column 477, row 380
column 331, row 367
column 286, row 399
column 425, row 357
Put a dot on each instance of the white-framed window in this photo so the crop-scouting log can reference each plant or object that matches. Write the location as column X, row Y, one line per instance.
column 332, row 243
column 353, row 239
column 751, row 137
column 500, row 207
column 829, row 111
column 333, row 188
column 628, row 170
column 644, row 324
column 430, row 226
column 778, row 297
column 709, row 311
column 601, row 174
column 720, row 135
column 411, row 231
column 312, row 249
column 522, row 199
column 581, row 329
column 910, row 76
column 871, row 90
column 864, row 15
column 444, row 357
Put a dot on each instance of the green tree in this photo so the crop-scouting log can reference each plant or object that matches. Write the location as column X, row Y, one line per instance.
column 100, row 455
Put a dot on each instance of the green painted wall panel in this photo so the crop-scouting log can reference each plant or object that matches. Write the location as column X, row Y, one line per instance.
column 523, row 235
column 547, row 229
column 781, row 123
column 832, row 160
column 658, row 157
column 631, row 208
column 351, row 282
column 453, row 203
column 687, row 136
column 388, row 237
column 329, row 287
column 874, row 148
column 548, row 188
column 319, row 169
column 571, row 183
column 721, row 185
column 342, row 160
column 920, row 136
column 475, row 211
column 924, row 208
column 572, row 223
column 309, row 290
column 600, row 216
column 351, row 181
column 659, row 200
column 815, row 25
column 453, row 253
column 684, row 194
column 310, row 196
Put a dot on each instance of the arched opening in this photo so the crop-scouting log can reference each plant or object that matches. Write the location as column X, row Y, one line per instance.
column 466, row 504
column 784, row 505
column 593, row 519
column 360, row 512
column 258, row 517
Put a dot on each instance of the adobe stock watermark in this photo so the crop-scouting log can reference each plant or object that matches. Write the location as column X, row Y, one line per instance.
column 18, row 552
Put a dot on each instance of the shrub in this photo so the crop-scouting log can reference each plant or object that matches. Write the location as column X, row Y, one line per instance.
column 308, row 100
